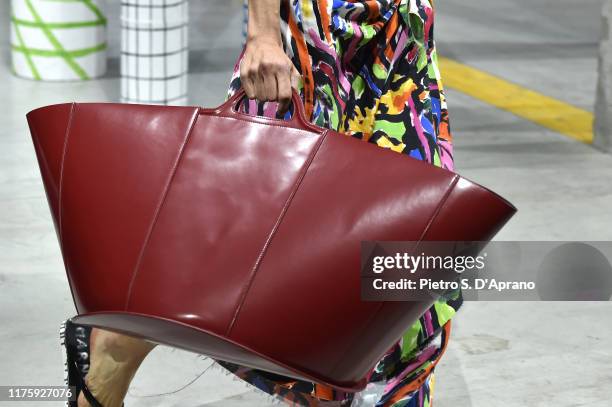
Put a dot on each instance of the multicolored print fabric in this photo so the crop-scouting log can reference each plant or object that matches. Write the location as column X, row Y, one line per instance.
column 369, row 69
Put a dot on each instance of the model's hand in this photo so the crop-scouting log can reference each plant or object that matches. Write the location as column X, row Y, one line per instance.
column 267, row 73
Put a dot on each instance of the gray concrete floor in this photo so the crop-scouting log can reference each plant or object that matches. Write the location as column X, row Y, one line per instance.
column 501, row 353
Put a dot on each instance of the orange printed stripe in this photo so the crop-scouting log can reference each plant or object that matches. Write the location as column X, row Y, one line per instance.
column 323, row 392
column 325, row 19
column 373, row 9
column 305, row 64
column 444, row 131
column 389, row 33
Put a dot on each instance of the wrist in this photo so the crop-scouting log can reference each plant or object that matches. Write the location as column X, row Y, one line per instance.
column 264, row 36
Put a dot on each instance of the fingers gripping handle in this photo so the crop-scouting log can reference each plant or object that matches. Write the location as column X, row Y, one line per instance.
column 298, row 120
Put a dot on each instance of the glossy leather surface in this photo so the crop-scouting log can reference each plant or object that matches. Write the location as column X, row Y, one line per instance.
column 238, row 236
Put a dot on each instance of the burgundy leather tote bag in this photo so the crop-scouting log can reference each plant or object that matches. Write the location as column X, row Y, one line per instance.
column 238, row 236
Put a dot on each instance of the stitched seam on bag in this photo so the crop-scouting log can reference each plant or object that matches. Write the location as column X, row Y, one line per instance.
column 61, row 180
column 450, row 189
column 302, row 132
column 251, row 118
column 59, row 200
column 272, row 233
column 427, row 227
column 286, row 127
column 162, row 199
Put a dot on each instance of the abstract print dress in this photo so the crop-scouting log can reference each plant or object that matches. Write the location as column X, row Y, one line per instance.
column 369, row 69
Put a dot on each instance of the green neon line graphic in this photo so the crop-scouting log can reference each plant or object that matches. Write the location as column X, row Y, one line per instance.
column 75, row 24
column 54, row 53
column 56, row 44
column 26, row 53
column 95, row 10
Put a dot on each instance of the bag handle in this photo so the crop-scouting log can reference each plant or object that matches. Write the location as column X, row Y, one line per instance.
column 297, row 121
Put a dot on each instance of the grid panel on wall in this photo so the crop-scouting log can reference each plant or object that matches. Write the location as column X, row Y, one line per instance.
column 154, row 51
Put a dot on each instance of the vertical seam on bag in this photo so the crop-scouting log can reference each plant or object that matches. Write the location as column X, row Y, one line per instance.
column 162, row 199
column 61, row 180
column 59, row 201
column 263, row 251
column 450, row 189
column 434, row 215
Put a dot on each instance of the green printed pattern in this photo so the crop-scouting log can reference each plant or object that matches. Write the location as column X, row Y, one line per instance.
column 58, row 50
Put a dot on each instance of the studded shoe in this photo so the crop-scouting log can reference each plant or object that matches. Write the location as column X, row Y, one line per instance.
column 75, row 350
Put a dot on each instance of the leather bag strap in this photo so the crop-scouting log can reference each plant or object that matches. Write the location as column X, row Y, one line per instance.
column 297, row 121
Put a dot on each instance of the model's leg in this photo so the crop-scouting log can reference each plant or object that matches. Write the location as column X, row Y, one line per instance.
column 114, row 359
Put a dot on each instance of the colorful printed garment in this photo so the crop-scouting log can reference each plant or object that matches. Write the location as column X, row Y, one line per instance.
column 369, row 69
